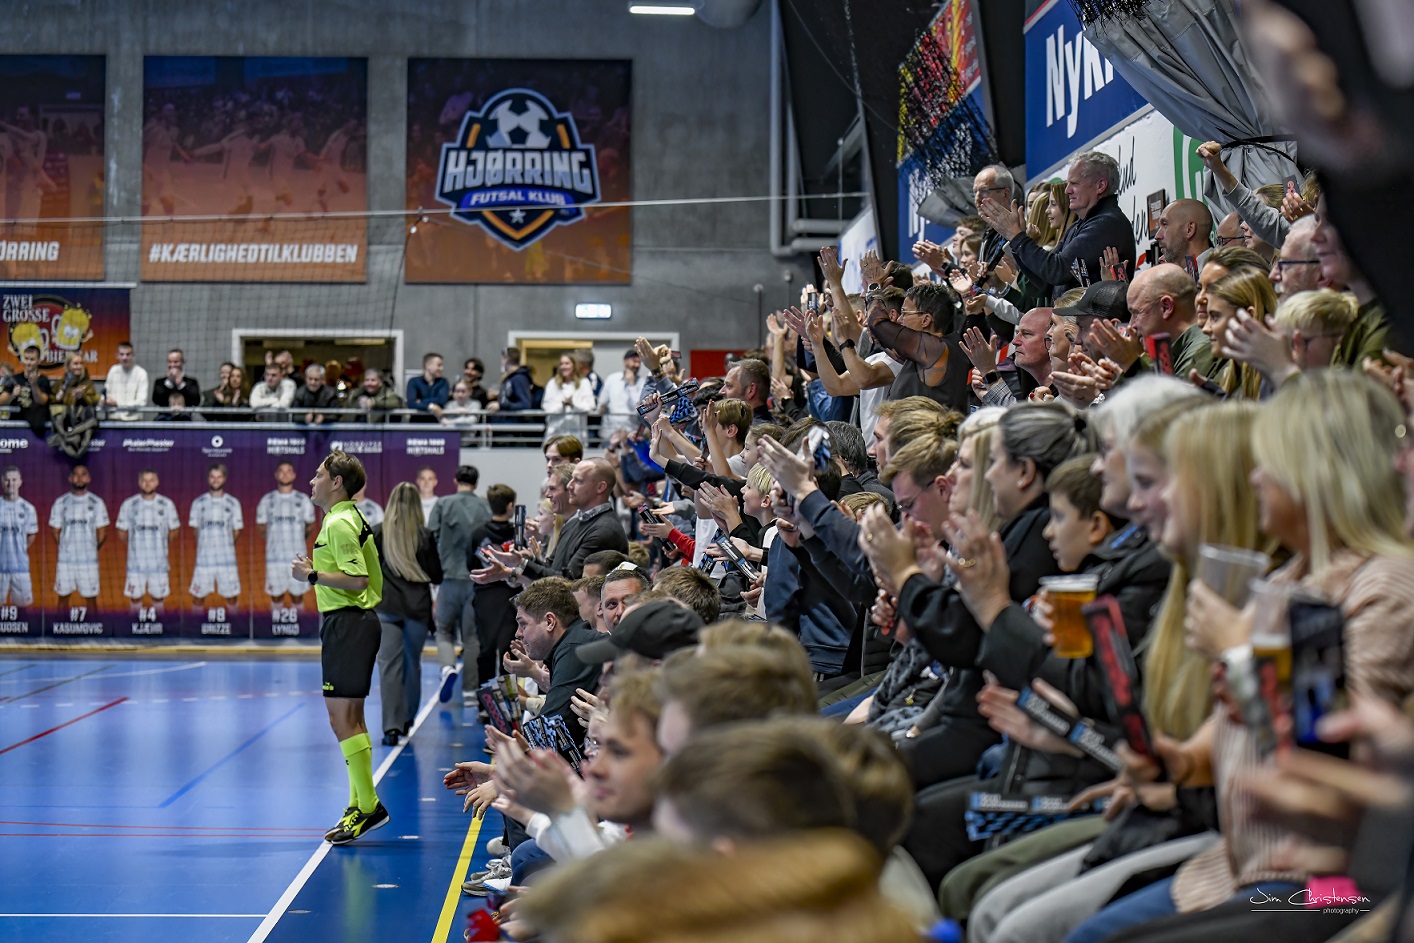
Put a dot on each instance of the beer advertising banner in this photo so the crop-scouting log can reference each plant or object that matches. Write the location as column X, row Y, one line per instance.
column 51, row 167
column 59, row 321
column 254, row 169
column 516, row 156
column 180, row 530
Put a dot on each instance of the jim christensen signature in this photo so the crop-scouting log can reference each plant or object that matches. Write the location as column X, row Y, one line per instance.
column 1308, row 898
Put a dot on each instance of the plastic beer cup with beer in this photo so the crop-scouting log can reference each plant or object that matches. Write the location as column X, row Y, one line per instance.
column 1068, row 593
column 1271, row 629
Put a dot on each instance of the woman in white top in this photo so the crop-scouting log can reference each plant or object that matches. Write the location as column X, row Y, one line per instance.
column 461, row 409
column 565, row 393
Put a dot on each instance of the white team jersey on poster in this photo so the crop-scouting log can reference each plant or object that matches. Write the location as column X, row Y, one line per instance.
column 371, row 511
column 285, row 517
column 216, row 520
column 18, row 520
column 148, row 524
column 284, row 148
column 78, row 517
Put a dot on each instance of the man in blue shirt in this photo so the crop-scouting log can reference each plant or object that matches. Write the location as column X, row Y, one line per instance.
column 429, row 392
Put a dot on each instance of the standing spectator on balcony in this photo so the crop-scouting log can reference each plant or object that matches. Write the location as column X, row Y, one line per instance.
column 315, row 397
column 567, row 393
column 1093, row 188
column 126, row 386
column 620, row 396
column 176, row 381
column 286, row 362
column 376, row 398
column 473, row 372
column 230, row 394
column 271, row 397
column 430, row 391
column 516, row 385
column 583, row 358
column 30, row 391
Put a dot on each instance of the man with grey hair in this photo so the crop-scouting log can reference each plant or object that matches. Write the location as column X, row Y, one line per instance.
column 314, row 397
column 1092, row 186
column 996, row 182
column 1296, row 267
column 1185, row 228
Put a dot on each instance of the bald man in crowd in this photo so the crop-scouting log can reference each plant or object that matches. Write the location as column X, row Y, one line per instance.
column 1161, row 301
column 1185, row 228
column 1229, row 231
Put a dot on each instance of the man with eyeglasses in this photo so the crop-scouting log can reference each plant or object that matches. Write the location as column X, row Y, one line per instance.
column 1092, row 185
column 1229, row 233
column 1161, row 300
column 1296, row 268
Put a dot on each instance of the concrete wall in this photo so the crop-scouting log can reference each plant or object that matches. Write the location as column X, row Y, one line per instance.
column 700, row 129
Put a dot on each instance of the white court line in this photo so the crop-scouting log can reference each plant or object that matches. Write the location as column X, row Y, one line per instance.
column 156, row 671
column 179, row 916
column 287, row 898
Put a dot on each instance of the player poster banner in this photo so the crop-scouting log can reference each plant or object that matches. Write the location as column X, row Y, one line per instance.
column 51, row 167
column 260, row 149
column 516, row 154
column 59, row 321
column 179, row 530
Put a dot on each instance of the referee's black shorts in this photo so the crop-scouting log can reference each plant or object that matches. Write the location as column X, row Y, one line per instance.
column 349, row 640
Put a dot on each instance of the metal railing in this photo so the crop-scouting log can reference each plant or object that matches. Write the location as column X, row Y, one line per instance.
column 522, row 428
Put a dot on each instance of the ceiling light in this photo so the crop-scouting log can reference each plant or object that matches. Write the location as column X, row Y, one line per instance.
column 654, row 9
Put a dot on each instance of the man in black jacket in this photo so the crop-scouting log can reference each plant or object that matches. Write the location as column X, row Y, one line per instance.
column 549, row 630
column 592, row 527
column 314, row 397
column 1092, row 186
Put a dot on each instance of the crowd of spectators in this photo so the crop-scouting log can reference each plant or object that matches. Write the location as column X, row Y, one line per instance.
column 866, row 519
column 344, row 391
column 1029, row 594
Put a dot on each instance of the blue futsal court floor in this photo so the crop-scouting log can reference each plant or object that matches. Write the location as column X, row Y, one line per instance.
column 150, row 799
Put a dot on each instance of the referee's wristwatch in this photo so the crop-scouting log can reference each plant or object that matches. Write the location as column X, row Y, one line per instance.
column 313, row 577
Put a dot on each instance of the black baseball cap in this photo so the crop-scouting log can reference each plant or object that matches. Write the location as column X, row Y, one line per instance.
column 1101, row 299
column 653, row 631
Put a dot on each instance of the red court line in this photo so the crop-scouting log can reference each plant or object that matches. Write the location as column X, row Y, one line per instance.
column 232, row 834
column 96, row 710
column 184, row 828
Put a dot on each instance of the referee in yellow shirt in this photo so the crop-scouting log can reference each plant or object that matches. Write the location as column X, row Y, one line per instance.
column 348, row 583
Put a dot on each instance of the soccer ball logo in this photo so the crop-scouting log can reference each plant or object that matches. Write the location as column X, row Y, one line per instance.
column 519, row 124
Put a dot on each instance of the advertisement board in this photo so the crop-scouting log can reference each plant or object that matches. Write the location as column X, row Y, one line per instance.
column 517, row 155
column 1073, row 95
column 51, row 167
column 179, row 529
column 254, row 169
column 59, row 320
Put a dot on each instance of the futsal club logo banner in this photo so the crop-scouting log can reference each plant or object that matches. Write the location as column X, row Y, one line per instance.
column 518, row 169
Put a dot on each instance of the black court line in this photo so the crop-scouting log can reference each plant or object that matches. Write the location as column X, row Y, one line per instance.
column 19, row 669
column 47, row 687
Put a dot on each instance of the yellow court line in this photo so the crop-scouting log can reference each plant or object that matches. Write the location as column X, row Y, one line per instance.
column 454, row 890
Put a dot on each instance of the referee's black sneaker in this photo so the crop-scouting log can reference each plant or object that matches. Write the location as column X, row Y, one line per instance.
column 356, row 824
column 350, row 811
